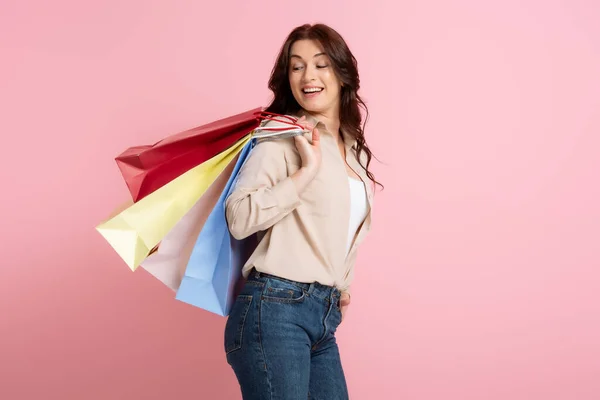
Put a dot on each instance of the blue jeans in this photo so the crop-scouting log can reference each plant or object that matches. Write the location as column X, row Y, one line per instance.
column 280, row 340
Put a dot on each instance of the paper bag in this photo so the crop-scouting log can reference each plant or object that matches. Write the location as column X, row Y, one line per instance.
column 136, row 231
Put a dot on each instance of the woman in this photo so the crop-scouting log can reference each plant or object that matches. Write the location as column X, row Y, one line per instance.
column 309, row 200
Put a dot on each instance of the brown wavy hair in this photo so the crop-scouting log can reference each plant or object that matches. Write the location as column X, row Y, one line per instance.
column 346, row 69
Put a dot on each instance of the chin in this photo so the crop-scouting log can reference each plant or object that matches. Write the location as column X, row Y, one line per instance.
column 311, row 107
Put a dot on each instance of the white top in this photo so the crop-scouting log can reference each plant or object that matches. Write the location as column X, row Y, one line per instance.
column 358, row 208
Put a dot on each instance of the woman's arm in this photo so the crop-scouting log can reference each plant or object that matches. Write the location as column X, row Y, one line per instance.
column 263, row 192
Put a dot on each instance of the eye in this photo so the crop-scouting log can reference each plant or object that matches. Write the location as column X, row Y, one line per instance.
column 322, row 66
column 297, row 67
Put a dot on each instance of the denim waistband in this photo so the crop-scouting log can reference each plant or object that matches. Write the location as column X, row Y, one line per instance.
column 314, row 289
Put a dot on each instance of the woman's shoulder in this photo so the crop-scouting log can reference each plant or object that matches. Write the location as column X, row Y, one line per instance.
column 281, row 148
column 275, row 142
column 362, row 157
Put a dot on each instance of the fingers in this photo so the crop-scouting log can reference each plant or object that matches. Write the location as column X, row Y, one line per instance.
column 345, row 299
column 316, row 137
column 300, row 142
column 300, row 139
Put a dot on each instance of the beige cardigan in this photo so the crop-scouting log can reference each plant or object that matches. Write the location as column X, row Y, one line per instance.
column 303, row 236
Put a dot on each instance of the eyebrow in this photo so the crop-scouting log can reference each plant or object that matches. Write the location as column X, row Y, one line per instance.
column 316, row 55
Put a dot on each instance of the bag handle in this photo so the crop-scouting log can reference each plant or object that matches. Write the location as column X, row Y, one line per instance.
column 284, row 119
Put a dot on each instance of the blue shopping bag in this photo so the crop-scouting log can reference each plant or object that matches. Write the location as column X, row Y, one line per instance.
column 217, row 259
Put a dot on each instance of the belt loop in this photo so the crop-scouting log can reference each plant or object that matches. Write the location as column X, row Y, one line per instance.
column 311, row 288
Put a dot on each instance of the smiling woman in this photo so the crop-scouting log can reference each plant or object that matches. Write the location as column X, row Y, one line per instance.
column 309, row 198
column 317, row 57
column 314, row 84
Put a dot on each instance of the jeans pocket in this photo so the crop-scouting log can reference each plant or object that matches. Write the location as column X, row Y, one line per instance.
column 234, row 328
column 282, row 291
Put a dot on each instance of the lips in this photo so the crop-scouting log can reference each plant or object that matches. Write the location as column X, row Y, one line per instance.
column 311, row 90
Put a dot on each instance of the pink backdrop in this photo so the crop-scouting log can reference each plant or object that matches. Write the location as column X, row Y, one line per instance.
column 480, row 279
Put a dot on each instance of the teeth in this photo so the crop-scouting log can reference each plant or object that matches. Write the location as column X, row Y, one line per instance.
column 311, row 90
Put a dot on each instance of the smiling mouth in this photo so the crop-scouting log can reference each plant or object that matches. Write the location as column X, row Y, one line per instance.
column 312, row 90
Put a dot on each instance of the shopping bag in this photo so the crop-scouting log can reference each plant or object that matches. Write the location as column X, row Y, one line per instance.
column 136, row 231
column 217, row 258
column 147, row 168
column 168, row 262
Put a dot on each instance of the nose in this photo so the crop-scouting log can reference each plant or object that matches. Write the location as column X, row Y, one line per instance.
column 309, row 74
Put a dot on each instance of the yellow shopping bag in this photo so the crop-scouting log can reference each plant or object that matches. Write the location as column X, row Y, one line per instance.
column 137, row 230
column 169, row 261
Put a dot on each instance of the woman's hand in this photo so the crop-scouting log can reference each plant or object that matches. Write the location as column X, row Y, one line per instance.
column 344, row 303
column 310, row 153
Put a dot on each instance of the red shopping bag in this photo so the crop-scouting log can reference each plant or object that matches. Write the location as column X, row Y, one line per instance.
column 147, row 168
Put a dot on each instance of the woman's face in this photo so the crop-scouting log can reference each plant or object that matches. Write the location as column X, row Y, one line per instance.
column 314, row 83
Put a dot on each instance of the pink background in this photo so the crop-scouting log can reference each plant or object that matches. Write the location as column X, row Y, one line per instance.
column 480, row 279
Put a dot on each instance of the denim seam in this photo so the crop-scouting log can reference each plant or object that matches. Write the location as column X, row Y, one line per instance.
column 324, row 325
column 262, row 349
column 284, row 300
column 299, row 285
column 247, row 305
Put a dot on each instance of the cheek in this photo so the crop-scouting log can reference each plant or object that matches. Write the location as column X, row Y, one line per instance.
column 331, row 81
column 295, row 85
column 294, row 81
column 333, row 87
